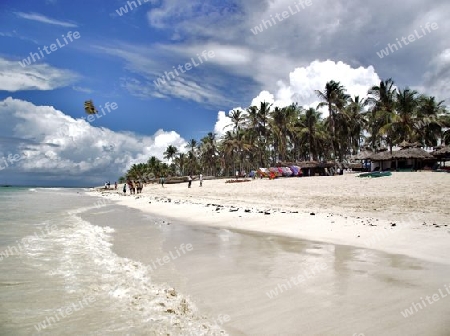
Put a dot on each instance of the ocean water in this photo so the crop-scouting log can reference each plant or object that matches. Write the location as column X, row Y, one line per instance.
column 72, row 264
column 59, row 275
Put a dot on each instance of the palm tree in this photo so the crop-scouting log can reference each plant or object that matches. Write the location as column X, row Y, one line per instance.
column 192, row 156
column 430, row 120
column 170, row 152
column 180, row 162
column 355, row 123
column 262, row 135
column 382, row 98
column 334, row 98
column 237, row 118
column 208, row 152
column 263, row 131
column 153, row 166
column 309, row 133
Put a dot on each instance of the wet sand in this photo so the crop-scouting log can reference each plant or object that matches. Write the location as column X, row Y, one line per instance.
column 346, row 290
column 406, row 213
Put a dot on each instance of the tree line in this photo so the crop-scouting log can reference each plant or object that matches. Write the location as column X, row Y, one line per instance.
column 263, row 135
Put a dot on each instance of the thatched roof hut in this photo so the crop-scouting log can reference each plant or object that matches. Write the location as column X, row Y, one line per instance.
column 405, row 144
column 442, row 152
column 402, row 154
column 381, row 156
column 412, row 153
column 364, row 155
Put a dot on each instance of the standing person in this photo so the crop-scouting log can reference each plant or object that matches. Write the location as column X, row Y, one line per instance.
column 189, row 181
column 133, row 187
column 115, row 185
column 125, row 188
column 237, row 174
column 130, row 186
column 201, row 179
column 162, row 179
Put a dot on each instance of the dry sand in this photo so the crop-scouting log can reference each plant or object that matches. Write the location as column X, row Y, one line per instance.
column 406, row 213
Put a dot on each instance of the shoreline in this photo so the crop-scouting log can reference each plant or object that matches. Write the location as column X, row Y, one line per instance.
column 421, row 234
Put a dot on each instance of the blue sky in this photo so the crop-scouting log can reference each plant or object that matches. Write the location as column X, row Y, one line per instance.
column 117, row 58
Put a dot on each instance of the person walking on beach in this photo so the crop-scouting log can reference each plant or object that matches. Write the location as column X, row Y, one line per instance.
column 189, row 181
column 115, row 185
column 201, row 179
column 125, row 188
column 162, row 181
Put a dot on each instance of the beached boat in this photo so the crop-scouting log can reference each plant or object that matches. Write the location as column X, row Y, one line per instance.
column 375, row 174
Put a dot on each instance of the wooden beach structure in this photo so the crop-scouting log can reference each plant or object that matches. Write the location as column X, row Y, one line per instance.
column 442, row 154
column 405, row 159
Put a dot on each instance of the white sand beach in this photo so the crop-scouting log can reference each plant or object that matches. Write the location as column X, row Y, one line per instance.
column 406, row 213
column 374, row 246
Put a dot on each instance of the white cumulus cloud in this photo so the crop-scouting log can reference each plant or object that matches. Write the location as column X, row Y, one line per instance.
column 54, row 146
column 303, row 82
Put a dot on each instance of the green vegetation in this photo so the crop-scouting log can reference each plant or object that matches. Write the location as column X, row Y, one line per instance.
column 263, row 135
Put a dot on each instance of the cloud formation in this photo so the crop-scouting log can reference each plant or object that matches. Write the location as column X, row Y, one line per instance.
column 14, row 77
column 303, row 82
column 56, row 148
column 44, row 19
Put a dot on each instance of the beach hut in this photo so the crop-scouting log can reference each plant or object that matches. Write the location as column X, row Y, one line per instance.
column 364, row 155
column 411, row 158
column 442, row 154
column 407, row 158
column 381, row 160
column 365, row 158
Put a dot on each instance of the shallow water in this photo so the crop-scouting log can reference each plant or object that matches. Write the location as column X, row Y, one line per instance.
column 344, row 290
column 64, row 279
column 114, row 268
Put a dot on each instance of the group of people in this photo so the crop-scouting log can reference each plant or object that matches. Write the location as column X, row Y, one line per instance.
column 200, row 178
column 135, row 187
column 108, row 185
